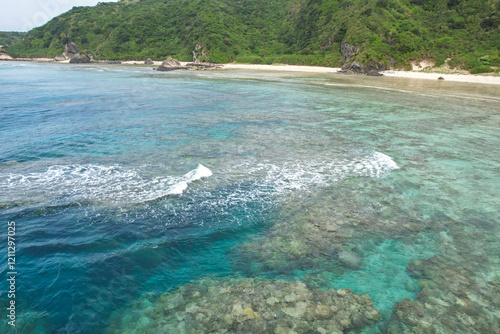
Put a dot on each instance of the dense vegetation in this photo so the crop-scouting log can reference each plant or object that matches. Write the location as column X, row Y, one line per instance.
column 287, row 31
column 9, row 37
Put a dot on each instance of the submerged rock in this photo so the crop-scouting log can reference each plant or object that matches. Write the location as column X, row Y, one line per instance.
column 350, row 259
column 247, row 306
column 452, row 299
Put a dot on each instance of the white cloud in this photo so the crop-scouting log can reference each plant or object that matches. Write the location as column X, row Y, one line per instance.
column 23, row 15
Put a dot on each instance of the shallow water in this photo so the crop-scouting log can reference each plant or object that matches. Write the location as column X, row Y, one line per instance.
column 335, row 181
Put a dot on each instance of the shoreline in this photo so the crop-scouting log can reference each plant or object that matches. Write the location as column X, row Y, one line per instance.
column 465, row 78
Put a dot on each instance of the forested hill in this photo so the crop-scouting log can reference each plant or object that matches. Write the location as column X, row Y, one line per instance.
column 9, row 37
column 389, row 32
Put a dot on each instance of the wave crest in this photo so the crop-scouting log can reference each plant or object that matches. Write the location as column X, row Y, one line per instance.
column 96, row 183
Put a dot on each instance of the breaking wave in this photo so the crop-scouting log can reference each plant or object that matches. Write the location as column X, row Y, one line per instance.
column 95, row 183
column 234, row 185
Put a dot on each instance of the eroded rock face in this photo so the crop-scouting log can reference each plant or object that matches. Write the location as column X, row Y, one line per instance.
column 247, row 306
column 148, row 62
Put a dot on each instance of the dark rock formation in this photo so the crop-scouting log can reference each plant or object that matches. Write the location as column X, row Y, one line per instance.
column 374, row 73
column 372, row 68
column 79, row 59
column 71, row 48
column 198, row 52
column 149, row 62
column 198, row 65
column 354, row 67
column 440, row 78
column 170, row 64
column 348, row 51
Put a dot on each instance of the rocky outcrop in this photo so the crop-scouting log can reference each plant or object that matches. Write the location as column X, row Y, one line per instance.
column 80, row 59
column 195, row 59
column 354, row 67
column 71, row 48
column 348, row 51
column 199, row 54
column 170, row 64
column 149, row 62
column 371, row 68
column 202, row 66
column 3, row 55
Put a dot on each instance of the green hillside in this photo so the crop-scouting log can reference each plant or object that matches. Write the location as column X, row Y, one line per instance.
column 9, row 37
column 389, row 32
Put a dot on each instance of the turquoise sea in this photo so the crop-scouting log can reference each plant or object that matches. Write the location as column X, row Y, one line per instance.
column 235, row 201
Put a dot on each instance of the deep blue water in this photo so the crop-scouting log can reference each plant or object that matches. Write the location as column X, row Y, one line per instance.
column 100, row 171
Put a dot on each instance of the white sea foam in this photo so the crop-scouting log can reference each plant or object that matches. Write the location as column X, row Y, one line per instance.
column 235, row 184
column 253, row 181
column 304, row 175
column 96, row 183
column 258, row 182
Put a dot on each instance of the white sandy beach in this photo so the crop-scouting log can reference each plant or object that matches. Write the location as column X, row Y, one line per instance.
column 482, row 79
column 288, row 68
column 471, row 78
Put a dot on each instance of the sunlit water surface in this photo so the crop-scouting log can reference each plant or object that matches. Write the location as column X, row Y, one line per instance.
column 124, row 182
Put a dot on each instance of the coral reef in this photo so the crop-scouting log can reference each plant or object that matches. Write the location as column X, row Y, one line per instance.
column 457, row 293
column 321, row 233
column 246, row 305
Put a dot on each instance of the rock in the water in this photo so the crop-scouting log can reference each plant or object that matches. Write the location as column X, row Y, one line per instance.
column 350, row 260
column 149, row 62
column 79, row 59
column 170, row 64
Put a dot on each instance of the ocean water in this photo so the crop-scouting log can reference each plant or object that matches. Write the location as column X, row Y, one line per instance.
column 124, row 183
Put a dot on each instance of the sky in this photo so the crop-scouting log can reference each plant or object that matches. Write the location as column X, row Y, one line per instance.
column 23, row 15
